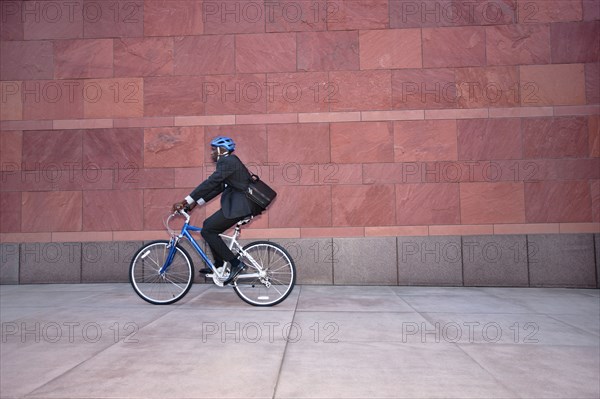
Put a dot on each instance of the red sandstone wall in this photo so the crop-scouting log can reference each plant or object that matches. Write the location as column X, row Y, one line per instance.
column 370, row 117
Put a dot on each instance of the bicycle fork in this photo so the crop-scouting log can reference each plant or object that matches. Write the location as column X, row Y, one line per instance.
column 172, row 248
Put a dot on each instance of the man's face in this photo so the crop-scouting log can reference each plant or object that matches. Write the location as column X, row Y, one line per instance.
column 217, row 152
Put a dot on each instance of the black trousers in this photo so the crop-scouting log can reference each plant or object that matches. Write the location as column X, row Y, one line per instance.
column 212, row 227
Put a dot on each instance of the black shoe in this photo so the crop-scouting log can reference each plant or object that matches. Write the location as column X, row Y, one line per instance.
column 235, row 270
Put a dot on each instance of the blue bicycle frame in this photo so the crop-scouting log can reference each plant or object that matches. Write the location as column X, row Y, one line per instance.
column 185, row 232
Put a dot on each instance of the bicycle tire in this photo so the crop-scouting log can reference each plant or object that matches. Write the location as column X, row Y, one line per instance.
column 280, row 270
column 158, row 289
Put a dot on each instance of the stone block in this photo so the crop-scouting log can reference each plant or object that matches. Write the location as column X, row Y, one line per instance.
column 190, row 56
column 173, row 18
column 518, row 44
column 397, row 48
column 373, row 146
column 77, row 59
column 564, row 260
column 313, row 211
column 501, row 202
column 10, row 212
column 267, row 52
column 409, row 88
column 245, row 94
column 543, row 11
column 313, row 257
column 453, row 47
column 285, row 139
column 427, row 203
column 9, row 261
column 557, row 84
column 426, row 140
column 349, row 205
column 119, row 19
column 595, row 193
column 300, row 92
column 558, row 201
column 597, row 245
column 574, row 42
column 499, row 261
column 502, row 78
column 105, row 210
column 50, row 262
column 142, row 57
column 130, row 105
column 51, row 211
column 177, row 147
column 328, row 51
column 365, row 261
column 592, row 83
column 565, row 137
column 23, row 60
column 360, row 90
column 114, row 148
column 173, row 96
column 365, row 14
column 51, row 106
column 107, row 262
column 225, row 16
column 430, row 261
column 489, row 139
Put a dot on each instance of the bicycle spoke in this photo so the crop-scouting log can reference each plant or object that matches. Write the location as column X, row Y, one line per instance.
column 275, row 288
column 153, row 278
column 173, row 282
column 155, row 262
column 275, row 270
column 278, row 281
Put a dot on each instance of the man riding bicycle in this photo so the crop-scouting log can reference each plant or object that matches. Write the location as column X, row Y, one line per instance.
column 231, row 179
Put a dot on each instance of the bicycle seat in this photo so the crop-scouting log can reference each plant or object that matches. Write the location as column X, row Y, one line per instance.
column 245, row 221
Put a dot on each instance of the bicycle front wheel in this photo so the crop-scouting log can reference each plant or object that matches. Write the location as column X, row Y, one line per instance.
column 150, row 284
column 273, row 281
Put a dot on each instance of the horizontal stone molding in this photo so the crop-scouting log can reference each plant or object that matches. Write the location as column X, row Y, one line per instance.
column 319, row 232
column 314, row 117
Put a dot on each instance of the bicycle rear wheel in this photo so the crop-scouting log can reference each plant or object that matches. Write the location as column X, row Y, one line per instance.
column 150, row 284
column 274, row 282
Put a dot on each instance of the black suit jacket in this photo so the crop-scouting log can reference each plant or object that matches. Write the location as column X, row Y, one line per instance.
column 231, row 178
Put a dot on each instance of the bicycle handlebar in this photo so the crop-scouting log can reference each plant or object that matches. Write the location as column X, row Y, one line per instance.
column 184, row 213
column 167, row 221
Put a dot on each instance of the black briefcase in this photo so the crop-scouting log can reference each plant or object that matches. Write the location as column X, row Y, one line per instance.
column 260, row 194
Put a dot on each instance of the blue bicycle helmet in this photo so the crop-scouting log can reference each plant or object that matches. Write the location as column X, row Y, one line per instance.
column 223, row 142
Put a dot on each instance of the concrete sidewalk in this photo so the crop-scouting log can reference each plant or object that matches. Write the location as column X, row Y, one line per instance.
column 102, row 341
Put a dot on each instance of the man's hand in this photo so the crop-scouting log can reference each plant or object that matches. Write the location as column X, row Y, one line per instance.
column 179, row 206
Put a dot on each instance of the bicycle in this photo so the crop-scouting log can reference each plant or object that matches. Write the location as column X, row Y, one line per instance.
column 162, row 271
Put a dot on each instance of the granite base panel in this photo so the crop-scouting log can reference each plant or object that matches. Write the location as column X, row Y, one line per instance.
column 558, row 260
